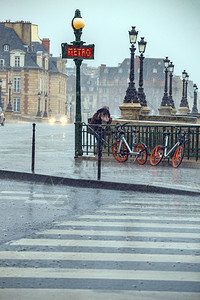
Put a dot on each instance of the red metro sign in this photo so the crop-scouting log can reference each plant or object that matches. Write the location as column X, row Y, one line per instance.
column 83, row 52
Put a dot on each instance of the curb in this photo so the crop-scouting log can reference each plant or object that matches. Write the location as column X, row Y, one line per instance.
column 94, row 184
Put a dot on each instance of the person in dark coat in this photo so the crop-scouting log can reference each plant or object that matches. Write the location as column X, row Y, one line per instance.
column 101, row 117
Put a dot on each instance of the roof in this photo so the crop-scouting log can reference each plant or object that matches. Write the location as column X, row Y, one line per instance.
column 8, row 36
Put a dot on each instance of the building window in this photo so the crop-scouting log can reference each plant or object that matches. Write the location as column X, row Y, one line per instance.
column 17, row 61
column 17, row 105
column 40, row 85
column 17, row 84
column 154, row 70
column 1, row 64
column 6, row 47
column 91, row 88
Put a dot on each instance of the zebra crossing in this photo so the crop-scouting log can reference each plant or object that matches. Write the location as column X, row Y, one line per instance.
column 145, row 246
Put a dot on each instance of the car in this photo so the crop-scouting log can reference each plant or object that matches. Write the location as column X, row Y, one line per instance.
column 2, row 117
column 62, row 119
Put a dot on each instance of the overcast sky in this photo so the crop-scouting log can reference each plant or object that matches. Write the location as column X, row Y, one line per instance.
column 170, row 27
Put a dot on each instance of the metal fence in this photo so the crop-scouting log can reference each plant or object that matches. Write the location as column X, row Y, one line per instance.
column 151, row 135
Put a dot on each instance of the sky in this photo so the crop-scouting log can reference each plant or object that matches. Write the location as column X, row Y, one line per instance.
column 170, row 27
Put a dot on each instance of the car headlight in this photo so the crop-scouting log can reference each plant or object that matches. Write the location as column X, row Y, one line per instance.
column 63, row 120
column 52, row 120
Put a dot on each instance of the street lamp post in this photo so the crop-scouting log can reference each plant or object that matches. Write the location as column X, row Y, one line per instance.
column 78, row 24
column 171, row 70
column 184, row 107
column 45, row 107
column 165, row 99
column 195, row 109
column 39, row 106
column 9, row 107
column 0, row 92
column 183, row 100
column 186, row 87
column 141, row 94
column 78, row 52
column 70, row 112
column 131, row 92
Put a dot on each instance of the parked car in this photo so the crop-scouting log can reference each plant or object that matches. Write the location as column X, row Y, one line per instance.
column 2, row 117
column 62, row 119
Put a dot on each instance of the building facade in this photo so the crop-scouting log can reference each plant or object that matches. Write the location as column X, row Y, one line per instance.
column 32, row 80
column 107, row 86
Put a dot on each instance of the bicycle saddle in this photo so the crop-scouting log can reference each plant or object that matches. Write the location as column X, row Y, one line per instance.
column 121, row 132
column 166, row 133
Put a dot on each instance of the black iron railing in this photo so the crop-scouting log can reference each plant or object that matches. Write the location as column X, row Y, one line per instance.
column 151, row 135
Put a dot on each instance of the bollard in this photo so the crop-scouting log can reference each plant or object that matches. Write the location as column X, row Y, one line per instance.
column 99, row 150
column 33, row 149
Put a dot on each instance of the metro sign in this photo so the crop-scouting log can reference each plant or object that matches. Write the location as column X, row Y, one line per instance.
column 82, row 52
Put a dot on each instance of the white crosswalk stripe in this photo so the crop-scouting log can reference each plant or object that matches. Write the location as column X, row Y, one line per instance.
column 127, row 250
column 34, row 198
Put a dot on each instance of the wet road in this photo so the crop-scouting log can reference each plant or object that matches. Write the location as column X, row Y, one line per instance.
column 59, row 242
column 55, row 156
column 65, row 243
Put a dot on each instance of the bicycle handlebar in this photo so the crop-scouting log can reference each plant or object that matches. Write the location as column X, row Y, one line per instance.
column 121, row 125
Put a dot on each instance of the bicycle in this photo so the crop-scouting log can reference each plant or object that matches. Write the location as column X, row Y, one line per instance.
column 176, row 151
column 121, row 149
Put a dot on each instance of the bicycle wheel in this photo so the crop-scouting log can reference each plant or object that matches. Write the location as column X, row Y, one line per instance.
column 156, row 155
column 122, row 155
column 142, row 156
column 178, row 157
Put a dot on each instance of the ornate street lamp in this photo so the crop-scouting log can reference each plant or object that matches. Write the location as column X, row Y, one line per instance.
column 195, row 109
column 0, row 92
column 183, row 100
column 186, row 85
column 39, row 113
column 141, row 94
column 78, row 24
column 131, row 92
column 171, row 70
column 77, row 51
column 165, row 99
column 70, row 112
column 9, row 107
column 45, row 107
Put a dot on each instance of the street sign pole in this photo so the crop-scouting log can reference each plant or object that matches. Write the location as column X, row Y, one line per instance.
column 78, row 119
column 78, row 52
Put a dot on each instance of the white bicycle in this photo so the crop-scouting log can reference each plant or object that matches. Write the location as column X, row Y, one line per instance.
column 121, row 149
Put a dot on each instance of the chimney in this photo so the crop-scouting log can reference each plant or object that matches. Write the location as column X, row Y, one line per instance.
column 46, row 44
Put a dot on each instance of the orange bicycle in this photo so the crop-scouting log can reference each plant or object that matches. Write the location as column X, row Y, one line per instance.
column 121, row 149
column 176, row 152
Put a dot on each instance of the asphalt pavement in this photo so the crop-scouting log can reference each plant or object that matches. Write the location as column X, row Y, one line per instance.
column 55, row 157
column 73, row 242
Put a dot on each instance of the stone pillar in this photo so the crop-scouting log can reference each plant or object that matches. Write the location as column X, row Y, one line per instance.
column 174, row 111
column 165, row 110
column 145, row 111
column 130, row 111
column 183, row 110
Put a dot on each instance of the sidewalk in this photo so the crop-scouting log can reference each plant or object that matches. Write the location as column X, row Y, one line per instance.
column 55, row 157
